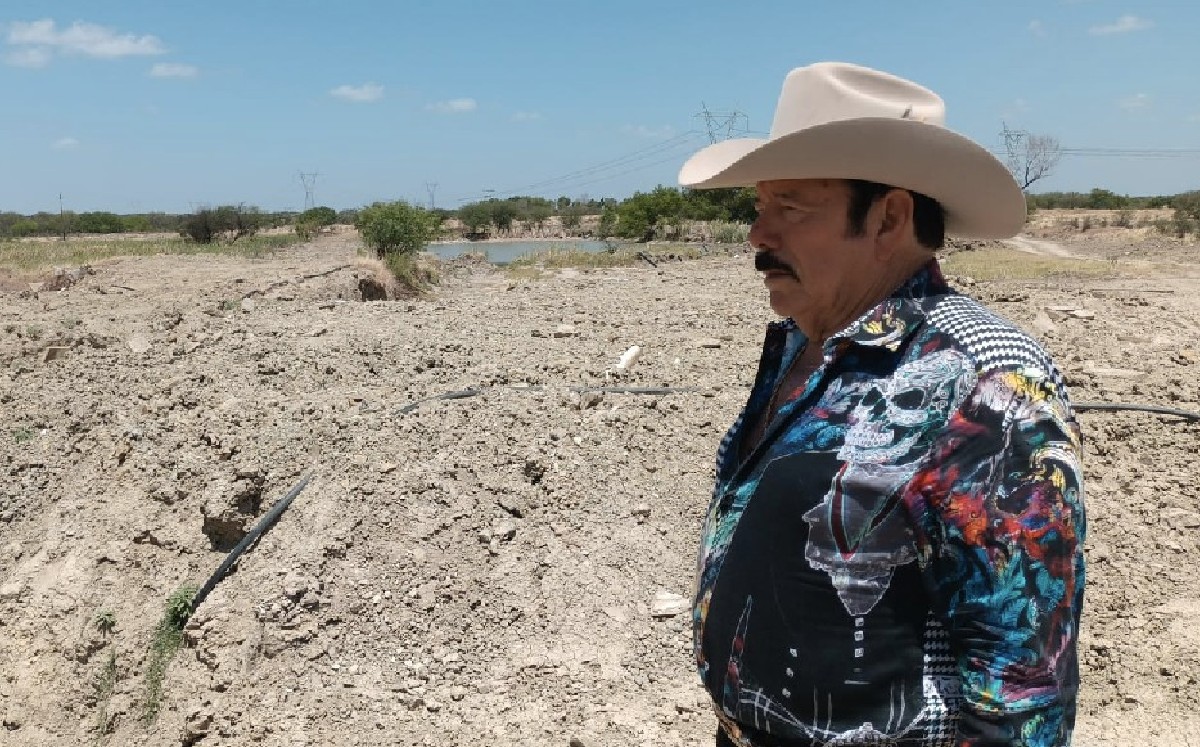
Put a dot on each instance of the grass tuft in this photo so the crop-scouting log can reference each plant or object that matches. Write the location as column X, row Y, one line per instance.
column 167, row 639
column 1011, row 264
column 33, row 255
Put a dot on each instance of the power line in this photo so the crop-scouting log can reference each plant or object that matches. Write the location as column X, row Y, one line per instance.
column 310, row 186
column 722, row 125
column 638, row 159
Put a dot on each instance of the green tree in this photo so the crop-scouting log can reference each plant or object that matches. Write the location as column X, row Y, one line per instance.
column 475, row 216
column 320, row 216
column 397, row 227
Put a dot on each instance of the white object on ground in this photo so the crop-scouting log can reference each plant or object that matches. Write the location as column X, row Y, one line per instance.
column 628, row 358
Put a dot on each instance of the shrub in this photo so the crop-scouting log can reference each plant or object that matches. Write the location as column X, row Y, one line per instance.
column 318, row 216
column 409, row 272
column 730, row 233
column 228, row 222
column 396, row 228
column 306, row 229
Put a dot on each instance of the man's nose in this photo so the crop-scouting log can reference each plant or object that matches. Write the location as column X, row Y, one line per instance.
column 761, row 237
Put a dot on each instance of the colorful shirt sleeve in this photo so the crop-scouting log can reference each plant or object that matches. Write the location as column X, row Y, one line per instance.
column 998, row 514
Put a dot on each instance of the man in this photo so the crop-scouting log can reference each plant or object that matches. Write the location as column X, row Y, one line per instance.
column 893, row 553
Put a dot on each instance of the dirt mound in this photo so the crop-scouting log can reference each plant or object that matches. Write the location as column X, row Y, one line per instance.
column 496, row 569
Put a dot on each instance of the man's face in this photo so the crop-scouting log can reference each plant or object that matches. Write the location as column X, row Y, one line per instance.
column 812, row 268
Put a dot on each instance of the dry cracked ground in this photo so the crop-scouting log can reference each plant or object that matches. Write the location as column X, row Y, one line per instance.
column 494, row 569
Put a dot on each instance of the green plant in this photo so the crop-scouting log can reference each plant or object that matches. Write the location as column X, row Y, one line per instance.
column 167, row 639
column 397, row 227
column 410, row 272
column 104, row 684
column 730, row 233
column 106, row 622
column 21, row 435
column 34, row 332
column 306, row 229
column 321, row 216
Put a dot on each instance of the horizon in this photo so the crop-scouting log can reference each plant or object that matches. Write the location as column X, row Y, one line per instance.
column 145, row 108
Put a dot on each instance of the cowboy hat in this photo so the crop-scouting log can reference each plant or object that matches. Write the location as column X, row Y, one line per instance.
column 835, row 120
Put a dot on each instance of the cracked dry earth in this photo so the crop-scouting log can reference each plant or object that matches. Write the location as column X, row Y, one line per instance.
column 493, row 570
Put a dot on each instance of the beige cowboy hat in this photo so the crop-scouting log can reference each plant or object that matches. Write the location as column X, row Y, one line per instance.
column 836, row 120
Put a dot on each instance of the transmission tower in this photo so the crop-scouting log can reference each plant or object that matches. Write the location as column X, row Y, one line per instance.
column 722, row 125
column 310, row 186
column 431, row 188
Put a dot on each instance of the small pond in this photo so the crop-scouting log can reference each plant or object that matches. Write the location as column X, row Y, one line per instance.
column 503, row 252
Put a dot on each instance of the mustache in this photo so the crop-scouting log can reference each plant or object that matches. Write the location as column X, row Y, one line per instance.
column 765, row 262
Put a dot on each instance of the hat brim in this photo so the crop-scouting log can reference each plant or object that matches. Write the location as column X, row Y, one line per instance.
column 980, row 197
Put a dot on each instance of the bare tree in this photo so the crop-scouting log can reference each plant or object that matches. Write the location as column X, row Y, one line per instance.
column 1029, row 157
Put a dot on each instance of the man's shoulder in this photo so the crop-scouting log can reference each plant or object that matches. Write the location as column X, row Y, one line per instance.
column 993, row 343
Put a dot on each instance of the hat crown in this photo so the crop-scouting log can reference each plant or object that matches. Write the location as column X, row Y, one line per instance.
column 837, row 91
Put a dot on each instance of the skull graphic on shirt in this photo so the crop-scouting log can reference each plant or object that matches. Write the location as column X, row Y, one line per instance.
column 858, row 534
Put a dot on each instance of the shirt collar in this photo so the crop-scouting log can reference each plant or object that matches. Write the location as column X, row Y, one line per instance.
column 890, row 322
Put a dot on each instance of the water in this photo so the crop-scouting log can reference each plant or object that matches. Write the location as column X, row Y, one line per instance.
column 503, row 252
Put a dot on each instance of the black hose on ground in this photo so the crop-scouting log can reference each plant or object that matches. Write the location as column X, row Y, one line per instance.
column 663, row 390
column 1100, row 406
column 265, row 523
column 464, row 393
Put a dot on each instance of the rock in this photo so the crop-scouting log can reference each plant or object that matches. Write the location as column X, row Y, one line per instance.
column 565, row 330
column 247, row 305
column 667, row 604
column 641, row 510
column 138, row 343
column 457, row 693
column 617, row 614
column 1043, row 324
column 53, row 353
column 707, row 342
column 1082, row 313
column 504, row 530
column 1181, row 518
column 576, row 742
column 11, row 590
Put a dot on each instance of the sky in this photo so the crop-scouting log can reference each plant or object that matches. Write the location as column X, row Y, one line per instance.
column 145, row 105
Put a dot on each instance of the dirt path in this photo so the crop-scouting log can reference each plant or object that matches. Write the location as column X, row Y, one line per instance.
column 476, row 571
column 1039, row 247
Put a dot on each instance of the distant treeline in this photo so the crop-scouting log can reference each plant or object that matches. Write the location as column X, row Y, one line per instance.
column 638, row 216
column 15, row 225
column 1101, row 199
column 655, row 214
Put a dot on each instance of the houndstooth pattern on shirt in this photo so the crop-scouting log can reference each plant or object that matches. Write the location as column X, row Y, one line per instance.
column 994, row 342
column 941, row 685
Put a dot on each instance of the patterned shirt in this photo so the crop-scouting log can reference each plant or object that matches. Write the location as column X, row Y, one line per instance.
column 899, row 560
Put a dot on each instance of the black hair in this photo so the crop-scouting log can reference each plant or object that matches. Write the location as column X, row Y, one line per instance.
column 929, row 219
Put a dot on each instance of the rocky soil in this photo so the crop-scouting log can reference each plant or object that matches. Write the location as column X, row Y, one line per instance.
column 496, row 569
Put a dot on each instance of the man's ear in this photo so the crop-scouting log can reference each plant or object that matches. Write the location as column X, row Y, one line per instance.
column 895, row 221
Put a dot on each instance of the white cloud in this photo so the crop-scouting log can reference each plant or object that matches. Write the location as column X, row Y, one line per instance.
column 36, row 42
column 1122, row 25
column 173, row 70
column 65, row 143
column 1134, row 102
column 1037, row 28
column 453, row 106
column 644, row 131
column 526, row 116
column 365, row 93
column 29, row 57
